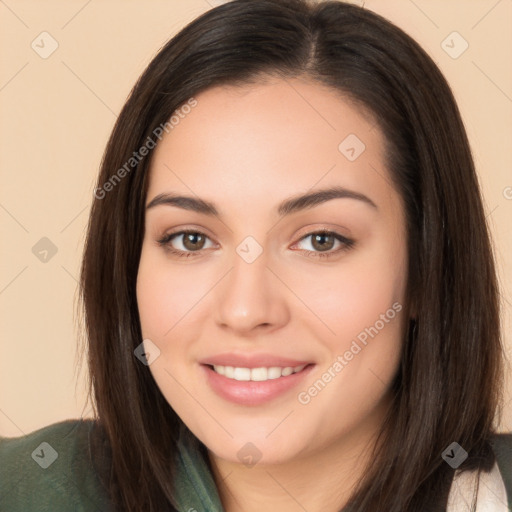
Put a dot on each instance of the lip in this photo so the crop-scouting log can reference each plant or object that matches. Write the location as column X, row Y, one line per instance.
column 253, row 393
column 252, row 360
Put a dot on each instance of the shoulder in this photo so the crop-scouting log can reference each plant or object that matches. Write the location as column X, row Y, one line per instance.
column 52, row 468
column 502, row 447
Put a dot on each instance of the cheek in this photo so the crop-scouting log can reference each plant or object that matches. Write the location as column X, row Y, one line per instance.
column 351, row 296
column 360, row 303
column 363, row 307
column 165, row 294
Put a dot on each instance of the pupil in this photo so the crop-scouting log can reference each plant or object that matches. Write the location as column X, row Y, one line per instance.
column 319, row 241
column 191, row 240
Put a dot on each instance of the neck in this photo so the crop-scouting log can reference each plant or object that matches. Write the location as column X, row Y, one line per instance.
column 321, row 481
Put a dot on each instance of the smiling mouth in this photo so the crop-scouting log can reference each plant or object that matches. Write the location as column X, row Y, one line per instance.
column 256, row 374
column 257, row 385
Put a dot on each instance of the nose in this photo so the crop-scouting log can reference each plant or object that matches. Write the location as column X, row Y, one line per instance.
column 251, row 298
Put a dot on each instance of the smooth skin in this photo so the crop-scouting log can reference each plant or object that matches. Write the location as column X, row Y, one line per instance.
column 246, row 149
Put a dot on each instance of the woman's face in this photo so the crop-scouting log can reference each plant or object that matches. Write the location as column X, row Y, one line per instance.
column 268, row 283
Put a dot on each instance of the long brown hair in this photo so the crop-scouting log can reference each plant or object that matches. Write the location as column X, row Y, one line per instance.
column 449, row 384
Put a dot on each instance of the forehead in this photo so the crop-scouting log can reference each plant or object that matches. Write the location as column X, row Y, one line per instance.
column 269, row 140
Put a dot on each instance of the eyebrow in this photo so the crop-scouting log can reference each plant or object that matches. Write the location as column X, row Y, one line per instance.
column 287, row 207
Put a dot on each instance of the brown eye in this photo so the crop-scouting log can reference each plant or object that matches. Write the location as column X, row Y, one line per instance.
column 193, row 241
column 323, row 241
column 325, row 244
column 185, row 242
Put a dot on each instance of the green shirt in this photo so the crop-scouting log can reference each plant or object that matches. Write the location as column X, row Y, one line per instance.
column 50, row 470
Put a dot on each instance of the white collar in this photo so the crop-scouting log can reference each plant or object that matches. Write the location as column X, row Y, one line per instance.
column 492, row 495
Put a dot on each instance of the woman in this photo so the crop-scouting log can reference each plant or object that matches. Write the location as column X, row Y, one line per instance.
column 288, row 285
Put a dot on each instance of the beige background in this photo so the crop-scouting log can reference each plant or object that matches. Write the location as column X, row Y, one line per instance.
column 57, row 113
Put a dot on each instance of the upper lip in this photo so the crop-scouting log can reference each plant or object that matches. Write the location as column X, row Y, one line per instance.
column 252, row 361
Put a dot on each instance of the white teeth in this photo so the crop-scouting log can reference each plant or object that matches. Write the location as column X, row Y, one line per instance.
column 242, row 374
column 274, row 372
column 286, row 371
column 259, row 374
column 220, row 369
column 256, row 374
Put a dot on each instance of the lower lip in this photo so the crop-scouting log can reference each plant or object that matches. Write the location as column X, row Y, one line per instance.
column 252, row 392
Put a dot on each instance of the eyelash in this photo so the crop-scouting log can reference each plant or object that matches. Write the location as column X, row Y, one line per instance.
column 347, row 244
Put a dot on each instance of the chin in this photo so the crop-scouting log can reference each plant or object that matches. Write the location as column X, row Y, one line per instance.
column 256, row 449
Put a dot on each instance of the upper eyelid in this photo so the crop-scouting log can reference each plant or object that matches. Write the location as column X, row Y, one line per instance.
column 331, row 231
column 184, row 231
column 338, row 236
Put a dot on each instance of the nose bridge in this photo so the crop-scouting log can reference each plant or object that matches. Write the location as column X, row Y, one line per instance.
column 248, row 296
